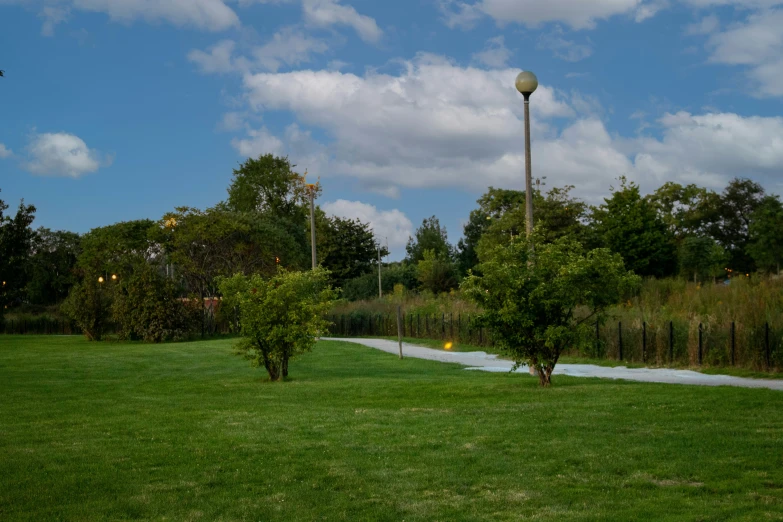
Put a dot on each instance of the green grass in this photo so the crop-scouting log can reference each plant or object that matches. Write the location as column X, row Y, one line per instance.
column 190, row 432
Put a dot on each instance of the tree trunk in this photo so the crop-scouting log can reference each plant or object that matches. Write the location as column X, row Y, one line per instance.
column 285, row 365
column 545, row 376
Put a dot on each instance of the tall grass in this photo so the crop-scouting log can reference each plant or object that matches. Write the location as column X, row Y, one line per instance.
column 661, row 312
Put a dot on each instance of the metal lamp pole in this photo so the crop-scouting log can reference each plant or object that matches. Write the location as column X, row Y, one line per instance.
column 526, row 84
column 312, row 223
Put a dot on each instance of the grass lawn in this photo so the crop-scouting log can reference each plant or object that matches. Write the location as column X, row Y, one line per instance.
column 190, row 432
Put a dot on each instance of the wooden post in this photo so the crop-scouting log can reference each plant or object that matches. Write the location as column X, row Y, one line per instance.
column 459, row 326
column 597, row 338
column 671, row 342
column 443, row 325
column 620, row 339
column 644, row 341
column 399, row 328
column 766, row 344
column 700, row 343
column 733, row 341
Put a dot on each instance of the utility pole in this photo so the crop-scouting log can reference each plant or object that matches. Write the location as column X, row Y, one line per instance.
column 380, row 286
column 526, row 84
column 311, row 187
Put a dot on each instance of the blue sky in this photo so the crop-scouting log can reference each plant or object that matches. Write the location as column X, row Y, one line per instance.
column 123, row 109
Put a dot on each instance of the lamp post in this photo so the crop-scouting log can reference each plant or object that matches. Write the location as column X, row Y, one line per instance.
column 527, row 83
column 311, row 187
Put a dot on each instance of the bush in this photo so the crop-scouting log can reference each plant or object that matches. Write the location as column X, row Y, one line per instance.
column 88, row 305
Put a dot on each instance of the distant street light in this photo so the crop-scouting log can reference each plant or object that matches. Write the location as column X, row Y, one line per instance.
column 527, row 83
column 100, row 280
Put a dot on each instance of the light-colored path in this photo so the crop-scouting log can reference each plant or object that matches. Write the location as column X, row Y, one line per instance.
column 490, row 363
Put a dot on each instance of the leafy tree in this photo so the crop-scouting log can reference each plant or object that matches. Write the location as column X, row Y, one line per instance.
column 280, row 316
column 89, row 306
column 731, row 224
column 629, row 225
column 560, row 215
column 51, row 268
column 686, row 210
column 702, row 258
column 146, row 306
column 766, row 234
column 539, row 304
column 347, row 248
column 16, row 238
column 431, row 235
column 436, row 273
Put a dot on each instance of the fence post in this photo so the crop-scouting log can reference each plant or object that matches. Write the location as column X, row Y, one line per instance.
column 451, row 326
column 766, row 344
column 644, row 341
column 399, row 328
column 620, row 338
column 700, row 343
column 671, row 342
column 443, row 325
column 480, row 339
column 733, row 341
column 459, row 326
column 597, row 338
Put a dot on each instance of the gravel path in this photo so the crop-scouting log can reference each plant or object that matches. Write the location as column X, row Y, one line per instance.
column 490, row 363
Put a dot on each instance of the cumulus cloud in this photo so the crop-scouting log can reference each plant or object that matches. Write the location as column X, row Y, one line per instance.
column 392, row 225
column 563, row 48
column 437, row 124
column 62, row 154
column 5, row 152
column 259, row 142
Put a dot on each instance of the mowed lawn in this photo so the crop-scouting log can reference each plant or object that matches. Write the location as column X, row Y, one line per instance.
column 191, row 432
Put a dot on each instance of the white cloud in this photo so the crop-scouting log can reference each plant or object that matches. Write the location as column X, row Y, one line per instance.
column 62, row 154
column 326, row 13
column 567, row 50
column 217, row 60
column 707, row 25
column 579, row 14
column 393, row 225
column 259, row 142
column 212, row 15
column 495, row 53
column 758, row 44
column 289, row 46
column 5, row 152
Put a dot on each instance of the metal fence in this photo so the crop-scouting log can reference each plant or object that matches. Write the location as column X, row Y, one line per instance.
column 662, row 344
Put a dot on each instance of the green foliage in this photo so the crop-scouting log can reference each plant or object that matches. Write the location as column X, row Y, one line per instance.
column 146, row 306
column 436, row 273
column 366, row 286
column 89, row 306
column 280, row 316
column 530, row 301
column 732, row 220
column 16, row 238
column 268, row 185
column 346, row 247
column 701, row 258
column 686, row 210
column 766, row 234
column 431, row 235
column 115, row 248
column 630, row 226
column 51, row 270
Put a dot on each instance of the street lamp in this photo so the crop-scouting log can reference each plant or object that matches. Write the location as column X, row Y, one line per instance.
column 527, row 83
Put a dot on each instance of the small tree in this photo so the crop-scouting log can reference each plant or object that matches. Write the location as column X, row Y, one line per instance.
column 280, row 316
column 539, row 305
column 702, row 258
column 88, row 305
column 436, row 273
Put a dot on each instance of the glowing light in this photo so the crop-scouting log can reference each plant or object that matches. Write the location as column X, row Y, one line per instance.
column 100, row 279
column 114, row 277
column 449, row 345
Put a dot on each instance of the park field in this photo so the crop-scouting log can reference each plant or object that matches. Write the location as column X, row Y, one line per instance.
column 110, row 431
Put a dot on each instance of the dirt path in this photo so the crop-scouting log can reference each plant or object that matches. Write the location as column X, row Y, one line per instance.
column 490, row 363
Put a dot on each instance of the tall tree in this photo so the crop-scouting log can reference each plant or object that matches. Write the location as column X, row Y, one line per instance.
column 16, row 239
column 766, row 234
column 628, row 224
column 686, row 210
column 431, row 235
column 347, row 248
column 731, row 225
column 52, row 266
column 436, row 274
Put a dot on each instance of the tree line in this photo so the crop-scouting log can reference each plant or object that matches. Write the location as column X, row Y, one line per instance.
column 153, row 279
